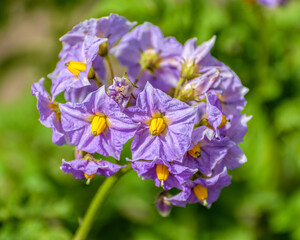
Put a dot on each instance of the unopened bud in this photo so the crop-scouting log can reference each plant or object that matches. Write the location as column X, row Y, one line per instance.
column 163, row 206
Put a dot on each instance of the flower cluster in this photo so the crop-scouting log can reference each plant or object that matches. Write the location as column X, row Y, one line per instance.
column 178, row 105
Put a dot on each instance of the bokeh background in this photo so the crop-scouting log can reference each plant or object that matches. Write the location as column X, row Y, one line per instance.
column 38, row 201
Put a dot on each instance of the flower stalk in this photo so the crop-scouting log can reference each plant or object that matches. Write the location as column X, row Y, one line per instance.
column 84, row 228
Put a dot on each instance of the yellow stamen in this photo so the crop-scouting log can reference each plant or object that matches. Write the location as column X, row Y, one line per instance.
column 195, row 151
column 75, row 67
column 219, row 96
column 157, row 126
column 200, row 192
column 98, row 125
column 162, row 173
column 89, row 177
column 224, row 121
column 55, row 107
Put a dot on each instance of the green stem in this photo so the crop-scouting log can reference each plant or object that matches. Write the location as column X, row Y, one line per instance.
column 96, row 203
column 138, row 76
column 181, row 81
column 110, row 66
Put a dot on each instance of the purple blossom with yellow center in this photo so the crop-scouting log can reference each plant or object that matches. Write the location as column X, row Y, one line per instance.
column 205, row 154
column 196, row 88
column 165, row 126
column 203, row 190
column 165, row 174
column 193, row 57
column 75, row 68
column 49, row 112
column 97, row 124
column 110, row 28
column 147, row 53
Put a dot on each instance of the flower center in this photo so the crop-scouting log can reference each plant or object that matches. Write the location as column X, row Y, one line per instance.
column 99, row 124
column 195, row 151
column 162, row 173
column 157, row 126
column 204, row 122
column 150, row 60
column 200, row 192
column 75, row 67
column 189, row 70
column 224, row 121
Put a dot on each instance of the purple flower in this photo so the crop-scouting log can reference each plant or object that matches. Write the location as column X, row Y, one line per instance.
column 112, row 27
column 193, row 56
column 205, row 154
column 89, row 168
column 163, row 173
column 76, row 66
column 97, row 124
column 49, row 112
column 235, row 128
column 272, row 3
column 230, row 91
column 203, row 190
column 165, row 128
column 120, row 91
column 145, row 49
column 234, row 158
column 197, row 87
column 77, row 95
column 214, row 110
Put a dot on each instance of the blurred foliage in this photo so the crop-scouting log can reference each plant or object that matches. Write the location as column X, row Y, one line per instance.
column 38, row 201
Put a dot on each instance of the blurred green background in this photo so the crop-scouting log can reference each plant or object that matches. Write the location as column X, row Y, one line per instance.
column 38, row 201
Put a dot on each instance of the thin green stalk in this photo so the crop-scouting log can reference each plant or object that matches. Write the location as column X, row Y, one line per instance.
column 110, row 66
column 138, row 76
column 181, row 81
column 84, row 228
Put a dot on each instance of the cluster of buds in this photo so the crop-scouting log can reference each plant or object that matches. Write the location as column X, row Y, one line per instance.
column 179, row 107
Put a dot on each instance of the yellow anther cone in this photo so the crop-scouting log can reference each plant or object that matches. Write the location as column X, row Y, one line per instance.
column 98, row 125
column 162, row 173
column 224, row 121
column 157, row 126
column 200, row 192
column 89, row 177
column 195, row 151
column 76, row 67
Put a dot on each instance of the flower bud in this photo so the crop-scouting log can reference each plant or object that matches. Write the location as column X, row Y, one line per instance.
column 163, row 206
column 189, row 70
column 103, row 49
